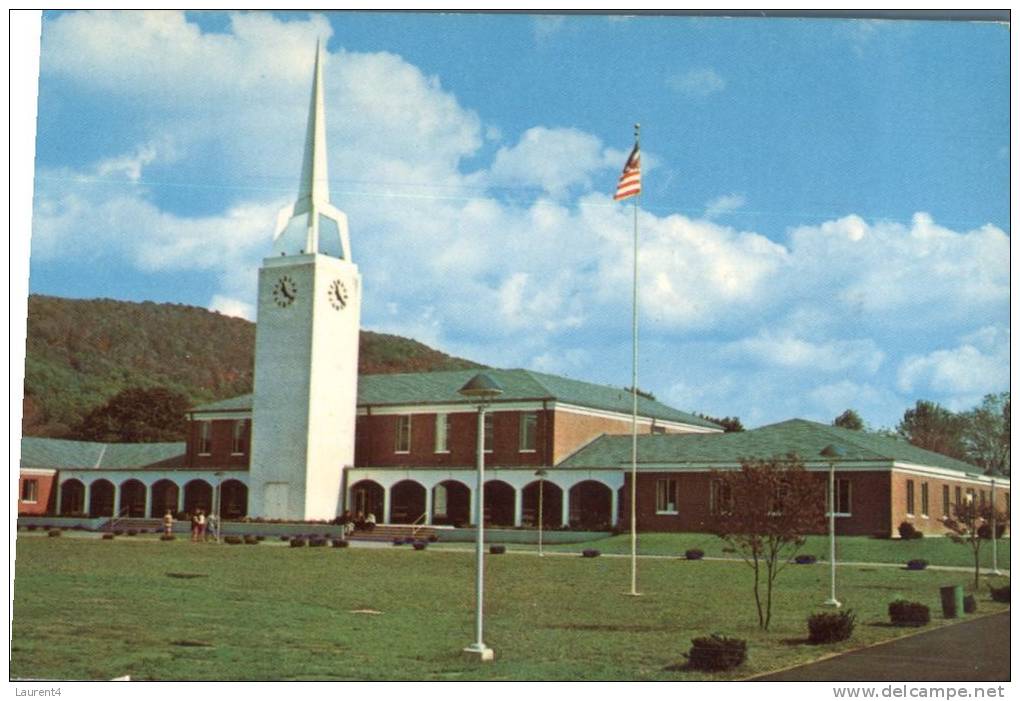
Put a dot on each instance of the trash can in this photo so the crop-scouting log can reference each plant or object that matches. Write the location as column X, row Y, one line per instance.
column 952, row 601
column 969, row 604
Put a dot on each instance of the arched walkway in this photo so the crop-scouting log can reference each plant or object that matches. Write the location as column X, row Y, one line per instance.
column 367, row 498
column 591, row 505
column 101, row 498
column 407, row 502
column 233, row 499
column 499, row 503
column 198, row 494
column 165, row 495
column 72, row 497
column 552, row 504
column 132, row 499
column 451, row 504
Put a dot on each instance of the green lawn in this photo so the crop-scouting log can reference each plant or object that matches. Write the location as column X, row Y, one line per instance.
column 937, row 550
column 91, row 609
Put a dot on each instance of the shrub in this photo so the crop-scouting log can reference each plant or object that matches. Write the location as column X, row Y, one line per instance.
column 433, row 538
column 969, row 604
column 316, row 542
column 694, row 554
column 285, row 538
column 420, row 544
column 805, row 559
column 398, row 541
column 985, row 530
column 260, row 538
column 167, row 536
column 233, row 540
column 909, row 613
column 251, row 540
column 917, row 564
column 108, row 536
column 53, row 533
column 907, row 530
column 117, row 531
column 1000, row 594
column 31, row 526
column 717, row 652
column 132, row 531
column 590, row 552
column 497, row 549
column 297, row 542
column 340, row 543
column 831, row 627
column 409, row 540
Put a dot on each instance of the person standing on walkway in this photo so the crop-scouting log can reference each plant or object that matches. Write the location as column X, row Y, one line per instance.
column 168, row 523
column 200, row 526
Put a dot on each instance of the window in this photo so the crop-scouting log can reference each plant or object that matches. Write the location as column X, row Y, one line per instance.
column 665, row 496
column 403, row 434
column 205, row 437
column 442, row 433
column 842, row 487
column 439, row 501
column 910, row 497
column 30, row 491
column 945, row 500
column 970, row 496
column 959, row 497
column 240, row 431
column 489, row 433
column 924, row 498
column 720, row 499
column 529, row 424
column 659, row 430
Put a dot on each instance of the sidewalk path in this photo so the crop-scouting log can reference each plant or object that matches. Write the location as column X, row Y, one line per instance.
column 972, row 651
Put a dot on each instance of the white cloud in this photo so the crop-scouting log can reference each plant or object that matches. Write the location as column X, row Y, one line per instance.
column 130, row 165
column 697, row 82
column 769, row 348
column 724, row 204
column 232, row 307
column 979, row 365
column 552, row 159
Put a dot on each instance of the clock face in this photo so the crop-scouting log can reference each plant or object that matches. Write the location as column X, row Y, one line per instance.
column 285, row 291
column 337, row 294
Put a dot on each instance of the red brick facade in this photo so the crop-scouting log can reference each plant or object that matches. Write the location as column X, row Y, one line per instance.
column 219, row 450
column 42, row 487
column 938, row 509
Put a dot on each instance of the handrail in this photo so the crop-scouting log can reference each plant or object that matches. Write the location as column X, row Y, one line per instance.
column 414, row 524
column 116, row 517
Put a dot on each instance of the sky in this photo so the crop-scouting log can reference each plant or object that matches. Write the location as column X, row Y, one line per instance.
column 824, row 222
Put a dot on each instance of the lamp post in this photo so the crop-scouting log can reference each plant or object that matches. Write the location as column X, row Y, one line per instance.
column 219, row 502
column 540, row 473
column 995, row 543
column 483, row 389
column 832, row 453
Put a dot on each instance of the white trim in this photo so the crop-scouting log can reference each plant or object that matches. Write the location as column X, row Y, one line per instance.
column 389, row 410
column 529, row 450
column 974, row 478
column 37, row 471
column 667, row 513
column 642, row 420
column 233, row 415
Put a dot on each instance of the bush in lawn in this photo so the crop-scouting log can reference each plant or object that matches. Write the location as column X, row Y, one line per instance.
column 251, row 540
column 233, row 540
column 420, row 544
column 108, row 536
column 497, row 549
column 694, row 554
column 433, row 538
column 590, row 552
column 260, row 538
column 132, row 531
column 969, row 604
column 340, row 543
column 297, row 542
column 398, row 541
column 316, row 542
column 717, row 652
column 805, row 559
column 117, row 531
column 1000, row 594
column 917, row 564
column 31, row 526
column 285, row 538
column 53, row 534
column 907, row 531
column 831, row 627
column 167, row 536
column 909, row 613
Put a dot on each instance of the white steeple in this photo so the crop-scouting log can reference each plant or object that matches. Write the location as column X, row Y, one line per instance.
column 312, row 224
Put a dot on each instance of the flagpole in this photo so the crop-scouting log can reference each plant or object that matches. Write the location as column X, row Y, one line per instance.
column 634, row 396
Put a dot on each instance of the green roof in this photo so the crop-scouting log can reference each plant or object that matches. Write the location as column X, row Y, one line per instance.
column 804, row 438
column 81, row 455
column 518, row 385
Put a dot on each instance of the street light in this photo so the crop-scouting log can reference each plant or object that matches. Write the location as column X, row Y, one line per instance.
column 995, row 542
column 483, row 389
column 540, row 474
column 219, row 502
column 832, row 453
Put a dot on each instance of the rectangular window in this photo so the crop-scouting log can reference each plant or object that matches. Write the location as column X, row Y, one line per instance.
column 984, row 495
column 910, row 497
column 30, row 491
column 240, row 432
column 489, row 432
column 924, row 498
column 205, row 437
column 665, row 496
column 403, row 434
column 529, row 425
column 439, row 501
column 959, row 496
column 720, row 499
column 842, row 488
column 442, row 433
column 945, row 500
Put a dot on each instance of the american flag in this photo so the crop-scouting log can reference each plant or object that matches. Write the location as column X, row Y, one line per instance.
column 630, row 180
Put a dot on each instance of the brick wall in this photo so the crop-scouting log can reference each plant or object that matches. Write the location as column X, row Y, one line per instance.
column 932, row 524
column 222, row 439
column 45, row 494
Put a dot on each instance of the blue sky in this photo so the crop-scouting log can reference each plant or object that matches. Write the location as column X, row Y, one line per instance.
column 824, row 222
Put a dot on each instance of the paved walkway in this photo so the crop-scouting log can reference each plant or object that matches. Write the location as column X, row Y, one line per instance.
column 972, row 651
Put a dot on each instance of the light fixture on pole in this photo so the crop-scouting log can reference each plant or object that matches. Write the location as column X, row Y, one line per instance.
column 995, row 542
column 219, row 503
column 832, row 453
column 540, row 474
column 482, row 389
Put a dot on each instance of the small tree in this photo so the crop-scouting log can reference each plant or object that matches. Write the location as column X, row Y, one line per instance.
column 138, row 415
column 849, row 419
column 770, row 506
column 965, row 528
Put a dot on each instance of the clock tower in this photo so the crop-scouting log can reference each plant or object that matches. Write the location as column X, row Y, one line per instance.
column 306, row 348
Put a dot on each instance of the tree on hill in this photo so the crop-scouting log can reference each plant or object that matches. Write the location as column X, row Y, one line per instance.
column 730, row 424
column 849, row 419
column 138, row 415
column 931, row 426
